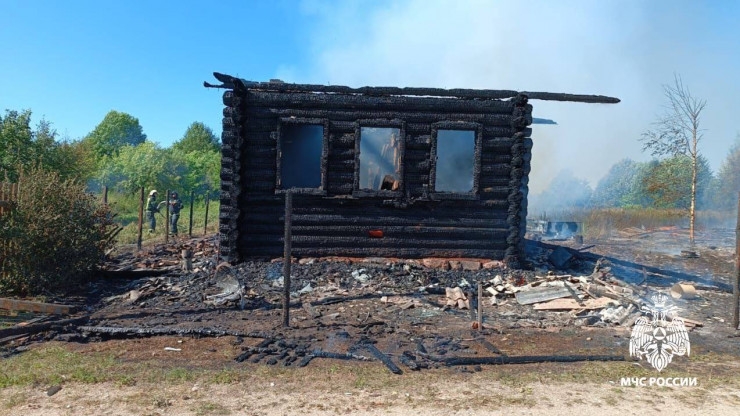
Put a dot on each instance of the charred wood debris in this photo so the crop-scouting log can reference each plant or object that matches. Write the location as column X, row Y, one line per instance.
column 402, row 305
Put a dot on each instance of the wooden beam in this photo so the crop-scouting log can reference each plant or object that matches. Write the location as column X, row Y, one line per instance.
column 31, row 306
column 230, row 82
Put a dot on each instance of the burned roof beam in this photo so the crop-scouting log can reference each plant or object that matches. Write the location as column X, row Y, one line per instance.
column 230, row 82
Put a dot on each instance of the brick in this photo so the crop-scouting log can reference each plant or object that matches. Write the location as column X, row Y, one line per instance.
column 471, row 265
column 436, row 264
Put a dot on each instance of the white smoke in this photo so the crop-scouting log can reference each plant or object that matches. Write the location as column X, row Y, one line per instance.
column 618, row 48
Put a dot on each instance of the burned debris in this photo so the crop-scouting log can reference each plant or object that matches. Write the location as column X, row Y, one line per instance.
column 376, row 171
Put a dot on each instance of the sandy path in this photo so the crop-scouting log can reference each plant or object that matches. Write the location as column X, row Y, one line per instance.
column 476, row 396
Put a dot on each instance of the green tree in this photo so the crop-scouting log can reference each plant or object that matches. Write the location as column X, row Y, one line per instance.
column 728, row 179
column 669, row 182
column 16, row 141
column 200, row 171
column 135, row 166
column 22, row 147
column 113, row 133
column 622, row 186
column 198, row 138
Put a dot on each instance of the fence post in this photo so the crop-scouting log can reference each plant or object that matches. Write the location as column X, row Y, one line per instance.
column 141, row 218
column 105, row 194
column 208, row 200
column 167, row 218
column 736, row 283
column 287, row 258
column 190, row 227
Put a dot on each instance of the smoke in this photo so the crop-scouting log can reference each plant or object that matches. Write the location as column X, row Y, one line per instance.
column 455, row 160
column 619, row 48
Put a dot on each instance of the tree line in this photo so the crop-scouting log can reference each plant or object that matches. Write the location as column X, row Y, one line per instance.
column 116, row 153
column 659, row 183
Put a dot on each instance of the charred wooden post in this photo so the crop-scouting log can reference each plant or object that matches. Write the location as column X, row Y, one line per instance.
column 141, row 218
column 407, row 216
column 383, row 358
column 287, row 258
column 480, row 306
column 205, row 223
column 167, row 217
column 190, row 226
column 736, row 283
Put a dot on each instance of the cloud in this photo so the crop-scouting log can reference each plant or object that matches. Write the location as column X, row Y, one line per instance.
column 623, row 49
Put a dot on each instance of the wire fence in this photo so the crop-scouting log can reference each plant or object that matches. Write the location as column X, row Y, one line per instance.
column 147, row 221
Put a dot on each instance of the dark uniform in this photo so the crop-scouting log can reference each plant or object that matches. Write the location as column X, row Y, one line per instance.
column 175, row 207
column 151, row 209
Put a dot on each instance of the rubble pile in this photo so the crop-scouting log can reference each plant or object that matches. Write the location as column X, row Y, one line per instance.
column 511, row 298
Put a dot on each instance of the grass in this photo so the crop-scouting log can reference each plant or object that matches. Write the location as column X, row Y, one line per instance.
column 601, row 222
column 54, row 365
column 209, row 408
column 126, row 208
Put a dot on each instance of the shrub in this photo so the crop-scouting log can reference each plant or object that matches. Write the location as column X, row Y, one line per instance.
column 55, row 236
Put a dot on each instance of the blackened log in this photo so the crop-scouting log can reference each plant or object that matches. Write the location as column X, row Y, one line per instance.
column 320, row 241
column 230, row 82
column 233, row 83
column 526, row 359
column 338, row 356
column 363, row 102
column 41, row 327
column 502, row 120
column 305, row 360
column 165, row 331
column 131, row 274
column 342, row 154
column 579, row 98
column 378, row 222
column 408, row 362
column 390, row 252
column 383, row 358
column 419, row 142
column 388, row 231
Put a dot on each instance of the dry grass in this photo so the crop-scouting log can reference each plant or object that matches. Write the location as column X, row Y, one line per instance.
column 602, row 222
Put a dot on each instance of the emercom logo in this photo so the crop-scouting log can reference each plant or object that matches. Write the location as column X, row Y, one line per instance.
column 662, row 336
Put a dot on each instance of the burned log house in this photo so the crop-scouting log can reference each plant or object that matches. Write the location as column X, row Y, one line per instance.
column 376, row 171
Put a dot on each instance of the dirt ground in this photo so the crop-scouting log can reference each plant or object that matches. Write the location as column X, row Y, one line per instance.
column 318, row 391
column 338, row 307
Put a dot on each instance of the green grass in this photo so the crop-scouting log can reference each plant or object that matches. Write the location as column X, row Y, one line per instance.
column 126, row 208
column 55, row 364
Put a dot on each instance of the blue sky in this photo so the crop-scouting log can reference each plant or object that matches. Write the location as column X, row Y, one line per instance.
column 73, row 61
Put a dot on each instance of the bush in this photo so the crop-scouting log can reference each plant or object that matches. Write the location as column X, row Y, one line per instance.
column 54, row 238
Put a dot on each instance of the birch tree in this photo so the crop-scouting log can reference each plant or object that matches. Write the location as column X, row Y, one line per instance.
column 677, row 132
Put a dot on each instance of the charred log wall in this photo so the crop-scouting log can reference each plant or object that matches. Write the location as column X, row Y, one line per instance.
column 415, row 222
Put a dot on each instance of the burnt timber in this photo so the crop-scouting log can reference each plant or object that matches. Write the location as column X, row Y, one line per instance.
column 338, row 218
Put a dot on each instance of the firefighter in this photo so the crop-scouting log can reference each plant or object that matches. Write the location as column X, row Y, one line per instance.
column 175, row 207
column 151, row 209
